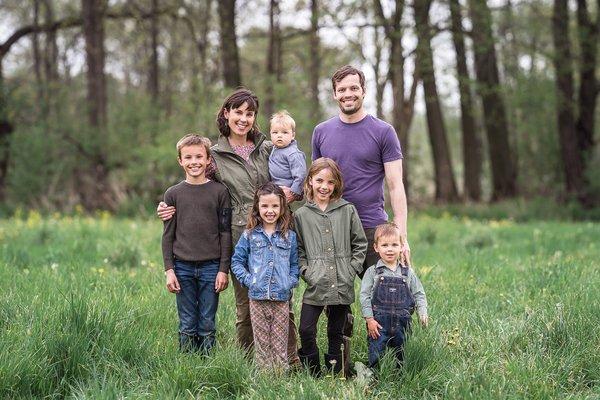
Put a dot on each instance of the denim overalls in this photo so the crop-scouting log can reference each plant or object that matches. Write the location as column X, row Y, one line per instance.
column 393, row 305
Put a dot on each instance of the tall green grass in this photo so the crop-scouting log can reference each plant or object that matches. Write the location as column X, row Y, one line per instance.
column 514, row 308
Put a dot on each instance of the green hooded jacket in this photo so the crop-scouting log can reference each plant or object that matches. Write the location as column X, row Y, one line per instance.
column 241, row 178
column 331, row 249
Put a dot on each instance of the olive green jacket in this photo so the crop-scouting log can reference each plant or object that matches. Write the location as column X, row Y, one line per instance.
column 331, row 249
column 241, row 178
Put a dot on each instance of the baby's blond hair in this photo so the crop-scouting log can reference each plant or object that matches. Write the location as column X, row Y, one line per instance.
column 283, row 117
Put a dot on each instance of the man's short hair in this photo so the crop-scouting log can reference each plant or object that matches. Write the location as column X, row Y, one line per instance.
column 192, row 139
column 283, row 117
column 387, row 229
column 344, row 71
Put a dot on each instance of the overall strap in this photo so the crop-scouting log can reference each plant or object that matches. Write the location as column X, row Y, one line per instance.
column 379, row 270
column 404, row 270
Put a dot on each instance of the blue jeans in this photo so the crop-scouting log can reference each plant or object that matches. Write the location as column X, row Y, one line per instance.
column 392, row 335
column 197, row 304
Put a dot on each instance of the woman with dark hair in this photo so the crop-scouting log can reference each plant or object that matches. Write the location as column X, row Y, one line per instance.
column 240, row 161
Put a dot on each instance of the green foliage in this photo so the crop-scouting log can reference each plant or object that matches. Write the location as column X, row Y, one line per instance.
column 536, row 140
column 515, row 317
column 519, row 210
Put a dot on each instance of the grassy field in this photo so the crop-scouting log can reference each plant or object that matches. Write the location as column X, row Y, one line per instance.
column 514, row 311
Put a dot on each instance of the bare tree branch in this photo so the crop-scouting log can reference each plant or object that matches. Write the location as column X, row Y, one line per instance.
column 71, row 22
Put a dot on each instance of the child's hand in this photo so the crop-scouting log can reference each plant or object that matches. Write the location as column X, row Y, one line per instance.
column 290, row 198
column 289, row 195
column 172, row 282
column 221, row 282
column 424, row 319
column 373, row 328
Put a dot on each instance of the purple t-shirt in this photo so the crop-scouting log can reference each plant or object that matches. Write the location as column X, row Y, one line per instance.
column 360, row 149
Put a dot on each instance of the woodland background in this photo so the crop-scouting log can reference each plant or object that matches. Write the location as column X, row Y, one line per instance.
column 492, row 100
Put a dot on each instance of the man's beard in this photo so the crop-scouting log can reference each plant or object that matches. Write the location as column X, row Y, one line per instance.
column 352, row 110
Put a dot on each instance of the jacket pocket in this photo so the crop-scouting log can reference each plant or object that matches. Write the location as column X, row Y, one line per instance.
column 257, row 247
column 282, row 247
column 315, row 273
column 350, row 274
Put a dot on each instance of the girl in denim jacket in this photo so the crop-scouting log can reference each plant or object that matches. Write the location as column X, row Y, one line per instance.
column 266, row 262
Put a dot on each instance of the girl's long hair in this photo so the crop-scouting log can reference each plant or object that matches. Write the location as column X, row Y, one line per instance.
column 317, row 166
column 285, row 222
column 236, row 100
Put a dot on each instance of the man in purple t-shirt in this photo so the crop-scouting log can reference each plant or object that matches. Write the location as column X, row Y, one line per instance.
column 368, row 151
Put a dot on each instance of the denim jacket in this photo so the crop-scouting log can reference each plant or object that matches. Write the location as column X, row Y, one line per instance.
column 267, row 266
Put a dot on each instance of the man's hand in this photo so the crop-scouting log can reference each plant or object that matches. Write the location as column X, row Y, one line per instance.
column 424, row 319
column 165, row 212
column 172, row 282
column 405, row 251
column 221, row 282
column 373, row 328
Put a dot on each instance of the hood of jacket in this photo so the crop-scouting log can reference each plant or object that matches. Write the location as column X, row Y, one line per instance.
column 333, row 205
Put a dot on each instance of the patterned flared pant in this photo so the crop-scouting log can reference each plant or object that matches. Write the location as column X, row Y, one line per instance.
column 270, row 325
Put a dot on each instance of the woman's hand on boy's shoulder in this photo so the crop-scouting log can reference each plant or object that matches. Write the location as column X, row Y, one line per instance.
column 164, row 211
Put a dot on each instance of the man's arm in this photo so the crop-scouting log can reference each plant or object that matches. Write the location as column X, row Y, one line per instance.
column 395, row 184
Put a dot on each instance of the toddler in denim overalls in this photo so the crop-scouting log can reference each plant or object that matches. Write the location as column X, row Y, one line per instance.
column 389, row 294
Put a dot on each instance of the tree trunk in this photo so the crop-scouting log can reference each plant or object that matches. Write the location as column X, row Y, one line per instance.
column 273, row 58
column 471, row 142
column 380, row 81
column 6, row 130
column 573, row 165
column 50, row 58
column 315, row 62
column 229, row 49
column 94, row 187
column 51, row 49
column 93, row 30
column 153, row 71
column 588, row 86
column 494, row 112
column 403, row 107
column 203, row 44
column 445, row 186
column 37, row 59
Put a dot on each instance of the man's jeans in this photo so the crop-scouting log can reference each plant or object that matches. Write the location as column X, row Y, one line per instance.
column 197, row 304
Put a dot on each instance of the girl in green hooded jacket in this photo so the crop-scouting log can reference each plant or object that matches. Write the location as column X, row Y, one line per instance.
column 331, row 249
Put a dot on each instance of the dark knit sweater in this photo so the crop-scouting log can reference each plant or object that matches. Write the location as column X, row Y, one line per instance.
column 200, row 230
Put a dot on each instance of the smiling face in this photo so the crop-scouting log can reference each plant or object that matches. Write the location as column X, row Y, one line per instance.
column 349, row 94
column 269, row 209
column 322, row 184
column 193, row 160
column 240, row 120
column 389, row 247
column 282, row 134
